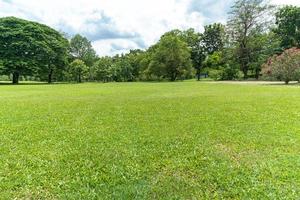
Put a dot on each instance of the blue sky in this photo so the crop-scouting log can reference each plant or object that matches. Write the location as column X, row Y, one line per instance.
column 115, row 26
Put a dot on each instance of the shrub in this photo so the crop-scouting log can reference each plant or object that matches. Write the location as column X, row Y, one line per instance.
column 216, row 74
column 225, row 72
column 285, row 67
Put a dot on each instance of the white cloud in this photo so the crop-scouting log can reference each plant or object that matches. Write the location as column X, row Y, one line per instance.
column 146, row 19
column 118, row 25
column 286, row 2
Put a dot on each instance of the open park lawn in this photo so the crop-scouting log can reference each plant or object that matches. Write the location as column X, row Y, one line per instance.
column 183, row 140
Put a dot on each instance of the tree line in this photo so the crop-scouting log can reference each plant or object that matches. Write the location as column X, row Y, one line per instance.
column 256, row 37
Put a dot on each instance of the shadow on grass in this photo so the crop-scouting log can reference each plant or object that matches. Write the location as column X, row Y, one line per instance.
column 283, row 84
column 33, row 83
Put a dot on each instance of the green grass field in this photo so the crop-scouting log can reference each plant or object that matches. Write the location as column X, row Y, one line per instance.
column 184, row 140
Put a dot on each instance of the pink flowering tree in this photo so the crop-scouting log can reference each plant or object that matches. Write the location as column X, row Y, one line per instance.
column 285, row 66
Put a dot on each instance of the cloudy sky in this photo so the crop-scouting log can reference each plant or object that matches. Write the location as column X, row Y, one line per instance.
column 115, row 26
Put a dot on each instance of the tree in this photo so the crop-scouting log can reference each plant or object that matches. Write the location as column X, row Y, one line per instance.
column 102, row 69
column 124, row 69
column 55, row 58
column 284, row 66
column 214, row 38
column 194, row 41
column 81, row 48
column 78, row 70
column 170, row 59
column 247, row 19
column 288, row 26
column 262, row 46
column 134, row 57
column 28, row 48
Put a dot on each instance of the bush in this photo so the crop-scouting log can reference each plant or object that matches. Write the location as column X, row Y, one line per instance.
column 216, row 74
column 226, row 72
column 4, row 78
column 284, row 67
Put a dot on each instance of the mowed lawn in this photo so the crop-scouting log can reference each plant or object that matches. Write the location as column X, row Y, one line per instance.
column 183, row 140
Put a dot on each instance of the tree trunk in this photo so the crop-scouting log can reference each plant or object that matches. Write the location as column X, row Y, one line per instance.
column 286, row 82
column 174, row 77
column 257, row 74
column 198, row 74
column 50, row 76
column 15, row 78
column 245, row 72
column 79, row 78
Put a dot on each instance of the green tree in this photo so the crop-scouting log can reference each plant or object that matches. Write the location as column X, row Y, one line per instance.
column 247, row 19
column 194, row 41
column 288, row 26
column 77, row 70
column 55, row 57
column 214, row 38
column 134, row 57
column 171, row 59
column 28, row 48
column 262, row 46
column 81, row 48
column 102, row 69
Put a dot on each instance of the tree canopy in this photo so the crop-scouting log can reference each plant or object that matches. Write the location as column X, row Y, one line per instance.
column 288, row 26
column 30, row 48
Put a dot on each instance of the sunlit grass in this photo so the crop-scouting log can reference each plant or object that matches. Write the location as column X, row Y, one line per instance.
column 184, row 140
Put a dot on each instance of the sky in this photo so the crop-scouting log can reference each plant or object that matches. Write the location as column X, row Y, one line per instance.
column 116, row 26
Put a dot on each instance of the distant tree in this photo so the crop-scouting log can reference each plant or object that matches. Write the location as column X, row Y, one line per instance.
column 102, row 69
column 171, row 58
column 219, row 66
column 214, row 60
column 195, row 43
column 81, row 48
column 28, row 48
column 247, row 19
column 262, row 46
column 134, row 57
column 121, row 69
column 285, row 66
column 214, row 38
column 124, row 69
column 77, row 70
column 288, row 26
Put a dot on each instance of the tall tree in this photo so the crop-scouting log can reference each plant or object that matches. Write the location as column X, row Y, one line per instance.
column 288, row 26
column 55, row 57
column 77, row 70
column 28, row 48
column 134, row 58
column 247, row 19
column 82, row 49
column 195, row 43
column 171, row 58
column 102, row 69
column 214, row 38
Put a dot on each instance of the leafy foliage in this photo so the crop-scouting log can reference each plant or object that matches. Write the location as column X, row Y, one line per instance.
column 214, row 37
column 77, row 70
column 247, row 20
column 170, row 59
column 288, row 26
column 29, row 48
column 285, row 66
